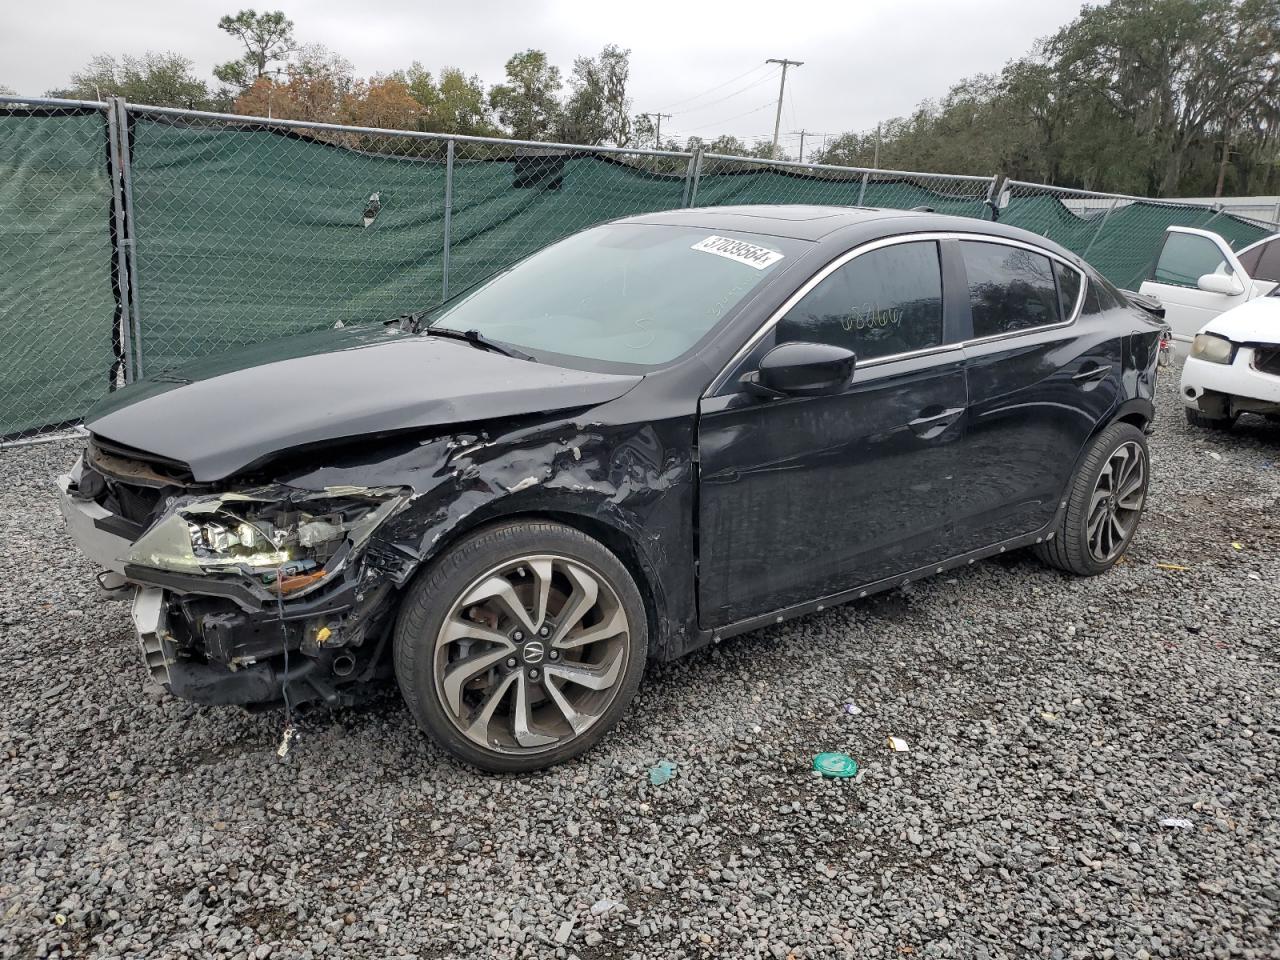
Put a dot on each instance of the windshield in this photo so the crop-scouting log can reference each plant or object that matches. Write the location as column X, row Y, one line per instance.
column 620, row 293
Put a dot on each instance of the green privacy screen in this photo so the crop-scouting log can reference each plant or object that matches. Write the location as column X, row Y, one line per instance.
column 1122, row 240
column 57, row 309
column 246, row 233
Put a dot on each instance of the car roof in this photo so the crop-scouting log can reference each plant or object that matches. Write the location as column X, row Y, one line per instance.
column 853, row 224
column 796, row 221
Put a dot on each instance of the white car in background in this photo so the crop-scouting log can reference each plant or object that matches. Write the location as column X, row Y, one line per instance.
column 1198, row 277
column 1233, row 366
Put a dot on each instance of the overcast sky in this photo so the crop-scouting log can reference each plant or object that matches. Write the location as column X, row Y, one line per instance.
column 864, row 61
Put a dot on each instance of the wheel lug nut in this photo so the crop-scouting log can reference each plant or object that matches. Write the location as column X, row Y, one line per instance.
column 554, row 655
column 533, row 674
column 518, row 636
column 511, row 661
column 545, row 632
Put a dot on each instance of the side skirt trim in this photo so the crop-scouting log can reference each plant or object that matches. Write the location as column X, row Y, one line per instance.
column 879, row 586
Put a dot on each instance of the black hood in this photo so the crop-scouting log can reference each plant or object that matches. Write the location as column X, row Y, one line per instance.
column 220, row 415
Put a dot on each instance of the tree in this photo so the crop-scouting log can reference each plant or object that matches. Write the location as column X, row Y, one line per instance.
column 156, row 79
column 454, row 105
column 315, row 87
column 526, row 104
column 267, row 38
column 381, row 102
column 1152, row 97
column 598, row 108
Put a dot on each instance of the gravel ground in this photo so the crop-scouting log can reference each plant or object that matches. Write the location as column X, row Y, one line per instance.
column 1052, row 724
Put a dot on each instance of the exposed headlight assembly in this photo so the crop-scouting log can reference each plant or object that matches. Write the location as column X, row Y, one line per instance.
column 285, row 539
column 1210, row 347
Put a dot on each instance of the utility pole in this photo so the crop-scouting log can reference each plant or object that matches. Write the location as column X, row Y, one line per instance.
column 801, row 134
column 777, row 120
column 657, row 127
column 875, row 161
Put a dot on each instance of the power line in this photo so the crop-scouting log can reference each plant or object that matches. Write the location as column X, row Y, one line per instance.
column 719, row 86
column 801, row 134
column 728, row 96
column 721, row 123
column 657, row 131
column 782, row 86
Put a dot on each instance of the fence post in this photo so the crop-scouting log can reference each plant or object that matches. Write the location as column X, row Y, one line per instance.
column 693, row 177
column 448, row 220
column 118, row 235
column 131, row 228
column 1097, row 233
column 993, row 195
column 862, row 190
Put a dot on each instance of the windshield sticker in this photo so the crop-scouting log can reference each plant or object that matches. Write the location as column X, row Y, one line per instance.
column 739, row 251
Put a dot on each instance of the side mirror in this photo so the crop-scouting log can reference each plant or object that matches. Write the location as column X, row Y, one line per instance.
column 801, row 369
column 1220, row 283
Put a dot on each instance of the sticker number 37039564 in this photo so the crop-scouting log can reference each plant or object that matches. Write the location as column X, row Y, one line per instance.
column 739, row 251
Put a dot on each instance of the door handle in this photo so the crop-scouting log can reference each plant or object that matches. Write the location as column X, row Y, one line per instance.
column 935, row 424
column 1095, row 371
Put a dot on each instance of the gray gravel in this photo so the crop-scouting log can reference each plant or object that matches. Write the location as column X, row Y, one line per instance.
column 1052, row 724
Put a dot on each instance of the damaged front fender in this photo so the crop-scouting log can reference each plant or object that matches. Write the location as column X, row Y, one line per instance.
column 632, row 485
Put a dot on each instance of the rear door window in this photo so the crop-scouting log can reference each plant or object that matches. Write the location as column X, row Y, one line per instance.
column 1185, row 258
column 1010, row 288
column 884, row 302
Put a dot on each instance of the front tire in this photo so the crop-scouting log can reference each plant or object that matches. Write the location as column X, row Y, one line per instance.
column 1104, row 505
column 1198, row 419
column 522, row 646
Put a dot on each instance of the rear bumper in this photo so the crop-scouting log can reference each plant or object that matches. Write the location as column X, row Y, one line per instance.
column 1204, row 385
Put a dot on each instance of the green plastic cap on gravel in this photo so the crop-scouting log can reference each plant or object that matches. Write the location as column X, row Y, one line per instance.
column 835, row 765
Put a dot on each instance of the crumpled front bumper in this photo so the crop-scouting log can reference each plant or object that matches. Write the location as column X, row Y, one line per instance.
column 1240, row 379
column 87, row 522
column 213, row 640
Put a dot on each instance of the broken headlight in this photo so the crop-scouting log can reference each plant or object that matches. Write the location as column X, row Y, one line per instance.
column 286, row 539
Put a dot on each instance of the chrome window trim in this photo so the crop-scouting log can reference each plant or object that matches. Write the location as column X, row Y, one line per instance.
column 937, row 236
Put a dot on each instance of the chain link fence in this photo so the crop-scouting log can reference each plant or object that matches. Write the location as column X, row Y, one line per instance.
column 1119, row 235
column 59, row 266
column 141, row 238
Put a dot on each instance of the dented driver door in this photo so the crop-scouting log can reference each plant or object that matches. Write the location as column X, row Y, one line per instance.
column 806, row 497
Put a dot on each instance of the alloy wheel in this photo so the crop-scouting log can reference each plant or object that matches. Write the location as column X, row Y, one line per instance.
column 1117, row 500
column 531, row 654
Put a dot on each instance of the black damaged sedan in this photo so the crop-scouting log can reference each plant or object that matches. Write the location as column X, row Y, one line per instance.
column 653, row 434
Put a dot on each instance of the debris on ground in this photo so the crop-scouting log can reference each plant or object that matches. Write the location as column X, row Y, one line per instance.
column 286, row 740
column 836, row 765
column 1177, row 823
column 852, row 709
column 661, row 772
column 898, row 745
column 564, row 932
column 603, row 906
column 1172, row 566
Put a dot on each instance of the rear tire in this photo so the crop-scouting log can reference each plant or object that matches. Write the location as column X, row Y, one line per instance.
column 521, row 646
column 1198, row 419
column 1104, row 505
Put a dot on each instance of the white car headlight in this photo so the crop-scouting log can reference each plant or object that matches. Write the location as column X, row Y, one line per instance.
column 287, row 540
column 1210, row 347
